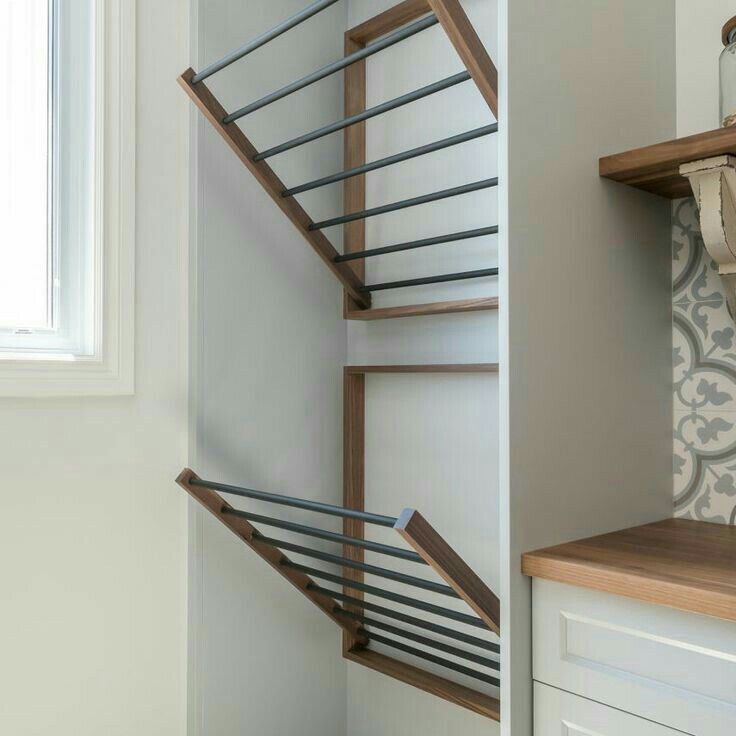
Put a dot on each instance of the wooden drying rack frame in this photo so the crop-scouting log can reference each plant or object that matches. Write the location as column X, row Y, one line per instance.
column 483, row 71
column 418, row 533
column 357, row 305
column 411, row 526
column 351, row 275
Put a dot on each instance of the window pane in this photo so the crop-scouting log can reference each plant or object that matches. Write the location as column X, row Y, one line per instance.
column 24, row 165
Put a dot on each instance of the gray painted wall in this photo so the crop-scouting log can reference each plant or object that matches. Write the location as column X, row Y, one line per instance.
column 585, row 302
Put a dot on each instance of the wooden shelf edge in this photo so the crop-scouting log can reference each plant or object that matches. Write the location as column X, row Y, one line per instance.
column 418, row 310
column 390, row 20
column 484, row 705
column 656, row 168
column 678, row 563
column 444, row 368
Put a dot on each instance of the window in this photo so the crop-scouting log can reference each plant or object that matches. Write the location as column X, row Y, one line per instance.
column 66, row 178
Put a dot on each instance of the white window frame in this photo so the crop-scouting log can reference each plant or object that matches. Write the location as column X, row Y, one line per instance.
column 109, row 370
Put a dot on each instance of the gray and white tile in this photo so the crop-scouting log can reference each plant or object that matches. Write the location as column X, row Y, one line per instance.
column 704, row 379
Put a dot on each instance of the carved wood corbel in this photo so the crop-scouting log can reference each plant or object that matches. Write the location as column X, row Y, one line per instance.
column 713, row 181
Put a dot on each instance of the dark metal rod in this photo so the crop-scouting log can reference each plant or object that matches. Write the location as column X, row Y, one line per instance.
column 395, row 159
column 355, row 565
column 407, row 619
column 452, row 238
column 425, row 640
column 405, row 203
column 462, row 618
column 335, row 66
column 372, row 112
column 299, row 503
column 432, row 279
column 311, row 531
column 264, row 38
column 435, row 659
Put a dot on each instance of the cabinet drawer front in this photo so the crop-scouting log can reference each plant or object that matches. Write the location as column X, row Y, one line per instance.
column 667, row 666
column 557, row 713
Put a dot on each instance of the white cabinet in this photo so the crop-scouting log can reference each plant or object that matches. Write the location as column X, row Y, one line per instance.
column 665, row 666
column 558, row 713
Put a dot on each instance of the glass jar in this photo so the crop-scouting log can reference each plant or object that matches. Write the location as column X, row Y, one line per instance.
column 728, row 74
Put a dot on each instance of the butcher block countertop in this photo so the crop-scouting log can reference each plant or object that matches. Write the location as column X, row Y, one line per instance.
column 683, row 564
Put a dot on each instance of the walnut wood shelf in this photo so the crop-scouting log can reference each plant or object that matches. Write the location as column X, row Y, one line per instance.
column 484, row 705
column 480, row 304
column 678, row 563
column 656, row 168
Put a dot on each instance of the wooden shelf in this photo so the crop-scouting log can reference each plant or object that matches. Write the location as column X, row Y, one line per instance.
column 484, row 705
column 656, row 168
column 419, row 310
column 435, row 368
column 683, row 564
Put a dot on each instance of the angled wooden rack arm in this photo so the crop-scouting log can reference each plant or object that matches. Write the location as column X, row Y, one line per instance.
column 216, row 505
column 366, row 623
column 469, row 47
column 245, row 151
column 420, row 534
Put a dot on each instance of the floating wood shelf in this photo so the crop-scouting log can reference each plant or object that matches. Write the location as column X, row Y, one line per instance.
column 656, row 168
column 458, row 694
column 682, row 564
column 481, row 304
column 352, row 370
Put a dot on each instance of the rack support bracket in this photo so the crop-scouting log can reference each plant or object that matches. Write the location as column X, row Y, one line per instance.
column 713, row 181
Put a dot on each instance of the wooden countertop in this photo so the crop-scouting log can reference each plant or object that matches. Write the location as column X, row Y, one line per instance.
column 688, row 565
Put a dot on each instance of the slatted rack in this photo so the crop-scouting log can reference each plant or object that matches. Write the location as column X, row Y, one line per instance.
column 381, row 32
column 364, row 621
column 476, row 655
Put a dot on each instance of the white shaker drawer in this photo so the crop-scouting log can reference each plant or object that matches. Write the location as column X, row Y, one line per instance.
column 557, row 713
column 667, row 666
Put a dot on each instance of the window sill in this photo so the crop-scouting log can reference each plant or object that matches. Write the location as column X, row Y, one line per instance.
column 39, row 376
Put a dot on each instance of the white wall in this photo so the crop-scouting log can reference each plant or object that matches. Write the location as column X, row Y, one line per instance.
column 431, row 441
column 699, row 45
column 585, row 302
column 93, row 529
column 268, row 349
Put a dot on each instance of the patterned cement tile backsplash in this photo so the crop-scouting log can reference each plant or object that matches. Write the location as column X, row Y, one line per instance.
column 704, row 369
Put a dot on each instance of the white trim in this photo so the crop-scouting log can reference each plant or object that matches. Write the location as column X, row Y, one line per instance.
column 195, row 513
column 110, row 371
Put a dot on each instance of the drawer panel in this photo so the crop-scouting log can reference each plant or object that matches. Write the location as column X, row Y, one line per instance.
column 668, row 666
column 557, row 713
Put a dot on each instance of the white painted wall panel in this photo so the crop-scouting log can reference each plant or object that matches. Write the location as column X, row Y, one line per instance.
column 585, row 303
column 92, row 526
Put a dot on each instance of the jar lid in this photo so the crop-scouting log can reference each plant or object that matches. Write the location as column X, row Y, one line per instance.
column 728, row 31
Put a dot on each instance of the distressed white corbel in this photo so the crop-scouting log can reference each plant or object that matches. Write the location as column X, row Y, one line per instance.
column 713, row 181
